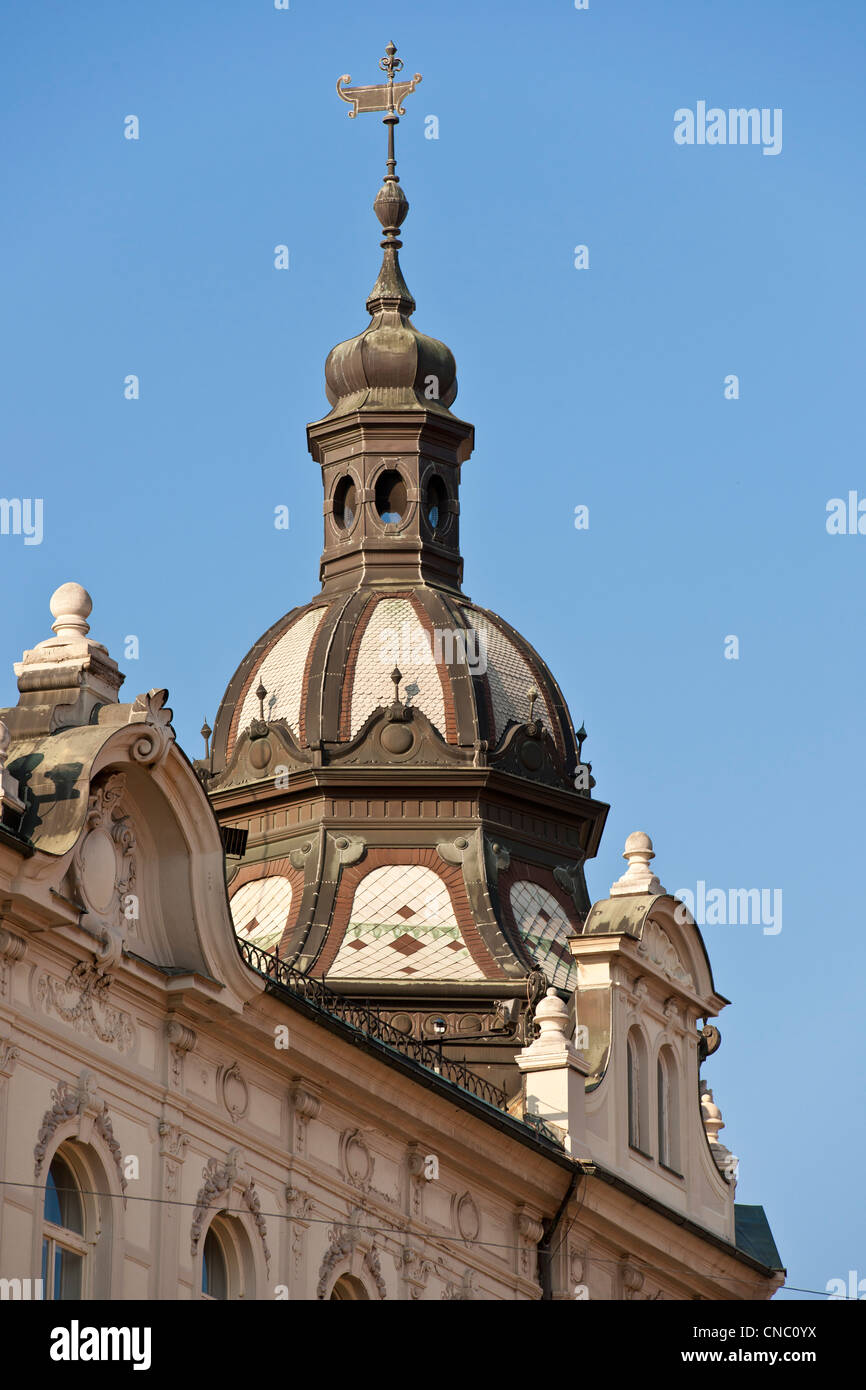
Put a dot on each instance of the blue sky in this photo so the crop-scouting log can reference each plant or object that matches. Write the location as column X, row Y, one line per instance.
column 602, row 387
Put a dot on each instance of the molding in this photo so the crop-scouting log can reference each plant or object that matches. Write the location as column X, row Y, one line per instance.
column 78, row 1102
column 220, row 1178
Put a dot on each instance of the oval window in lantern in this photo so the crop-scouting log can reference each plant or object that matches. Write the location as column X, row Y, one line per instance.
column 391, row 500
column 345, row 503
column 437, row 503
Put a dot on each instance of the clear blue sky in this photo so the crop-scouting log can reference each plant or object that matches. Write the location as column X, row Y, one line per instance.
column 601, row 387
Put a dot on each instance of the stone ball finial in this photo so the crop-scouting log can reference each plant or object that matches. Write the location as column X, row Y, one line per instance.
column 551, row 1016
column 639, row 844
column 638, row 877
column 70, row 606
column 712, row 1115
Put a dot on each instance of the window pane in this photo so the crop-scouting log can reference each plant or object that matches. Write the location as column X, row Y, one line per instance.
column 214, row 1276
column 67, row 1273
column 52, row 1201
column 62, row 1201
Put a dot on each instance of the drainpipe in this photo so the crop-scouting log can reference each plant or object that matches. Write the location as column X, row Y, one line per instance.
column 545, row 1245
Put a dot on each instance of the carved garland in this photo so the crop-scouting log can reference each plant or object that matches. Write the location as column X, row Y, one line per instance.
column 220, row 1178
column 81, row 1000
column 343, row 1242
column 70, row 1102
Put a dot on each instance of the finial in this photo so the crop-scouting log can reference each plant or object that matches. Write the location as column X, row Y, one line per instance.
column 260, row 696
column 70, row 606
column 391, row 204
column 396, row 676
column 532, row 696
column 726, row 1162
column 206, row 732
column 638, row 877
column 581, row 740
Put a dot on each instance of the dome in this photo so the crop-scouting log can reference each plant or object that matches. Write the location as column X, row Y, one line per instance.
column 328, row 667
column 395, row 766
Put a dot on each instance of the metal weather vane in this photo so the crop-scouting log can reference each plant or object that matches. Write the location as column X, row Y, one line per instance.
column 385, row 96
column 391, row 205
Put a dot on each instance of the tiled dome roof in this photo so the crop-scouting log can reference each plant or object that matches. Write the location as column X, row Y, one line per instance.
column 328, row 666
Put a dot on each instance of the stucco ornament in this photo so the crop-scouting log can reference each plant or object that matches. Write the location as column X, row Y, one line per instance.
column 219, row 1179
column 356, row 1159
column 343, row 1243
column 157, row 736
column 104, row 867
column 79, row 1102
column 657, row 946
column 82, row 1001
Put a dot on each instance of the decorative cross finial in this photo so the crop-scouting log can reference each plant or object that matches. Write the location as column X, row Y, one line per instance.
column 389, row 63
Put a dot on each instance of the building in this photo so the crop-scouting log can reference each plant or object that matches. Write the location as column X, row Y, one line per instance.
column 328, row 1013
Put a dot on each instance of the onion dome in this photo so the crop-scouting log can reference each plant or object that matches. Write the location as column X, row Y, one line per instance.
column 390, row 365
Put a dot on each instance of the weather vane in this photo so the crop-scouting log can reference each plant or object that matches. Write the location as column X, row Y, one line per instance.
column 384, row 96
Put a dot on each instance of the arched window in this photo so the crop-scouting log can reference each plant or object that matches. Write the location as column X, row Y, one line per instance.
column 638, row 1111
column 349, row 1287
column 64, row 1250
column 668, row 1109
column 227, row 1269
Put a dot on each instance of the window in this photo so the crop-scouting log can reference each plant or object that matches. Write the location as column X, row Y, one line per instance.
column 349, row 1287
column 437, row 501
column 668, row 1109
column 345, row 503
column 227, row 1266
column 214, row 1271
column 63, row 1246
column 638, row 1116
column 391, row 498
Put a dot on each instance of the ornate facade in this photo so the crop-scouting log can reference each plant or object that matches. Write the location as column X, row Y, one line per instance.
column 329, row 1013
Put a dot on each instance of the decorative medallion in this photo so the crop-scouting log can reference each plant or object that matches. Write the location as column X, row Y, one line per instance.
column 466, row 1216
column 234, row 1090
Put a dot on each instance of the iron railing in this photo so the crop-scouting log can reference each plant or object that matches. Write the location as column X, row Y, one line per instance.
column 365, row 1020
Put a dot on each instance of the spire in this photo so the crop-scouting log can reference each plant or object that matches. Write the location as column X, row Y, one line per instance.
column 390, row 364
column 390, row 448
column 391, row 207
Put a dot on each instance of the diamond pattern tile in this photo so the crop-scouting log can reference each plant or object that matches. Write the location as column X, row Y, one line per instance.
column 282, row 674
column 260, row 910
column 403, row 911
column 395, row 637
column 545, row 928
column 509, row 677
